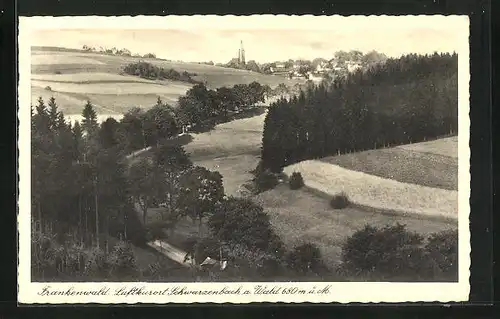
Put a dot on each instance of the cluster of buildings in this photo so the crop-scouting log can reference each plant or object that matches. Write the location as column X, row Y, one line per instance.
column 317, row 73
column 298, row 70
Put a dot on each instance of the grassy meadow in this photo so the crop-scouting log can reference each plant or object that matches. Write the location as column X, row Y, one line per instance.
column 411, row 184
column 75, row 76
column 432, row 164
column 232, row 148
column 304, row 215
column 377, row 192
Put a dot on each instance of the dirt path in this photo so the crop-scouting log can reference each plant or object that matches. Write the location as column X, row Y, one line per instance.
column 171, row 252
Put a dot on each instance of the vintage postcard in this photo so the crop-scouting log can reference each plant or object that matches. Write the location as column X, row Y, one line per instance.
column 239, row 159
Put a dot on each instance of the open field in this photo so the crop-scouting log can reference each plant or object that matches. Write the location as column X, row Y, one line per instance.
column 49, row 61
column 76, row 76
column 420, row 163
column 301, row 216
column 115, row 88
column 227, row 166
column 444, row 146
column 305, row 215
column 377, row 192
column 232, row 148
column 241, row 136
column 58, row 59
column 89, row 77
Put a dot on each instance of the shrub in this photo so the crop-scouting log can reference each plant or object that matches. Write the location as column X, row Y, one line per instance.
column 264, row 179
column 96, row 265
column 296, row 180
column 122, row 260
column 339, row 201
column 44, row 253
column 391, row 251
column 58, row 72
column 305, row 258
column 442, row 249
column 251, row 262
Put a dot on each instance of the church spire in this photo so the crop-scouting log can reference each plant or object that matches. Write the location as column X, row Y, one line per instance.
column 241, row 57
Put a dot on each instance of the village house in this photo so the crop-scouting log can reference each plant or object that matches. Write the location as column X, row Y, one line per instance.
column 280, row 67
column 352, row 66
column 315, row 77
column 296, row 75
column 323, row 67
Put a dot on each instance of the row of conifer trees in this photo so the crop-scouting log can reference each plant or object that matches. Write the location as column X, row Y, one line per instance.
column 405, row 100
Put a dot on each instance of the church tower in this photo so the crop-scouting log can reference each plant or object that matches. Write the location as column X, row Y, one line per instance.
column 241, row 55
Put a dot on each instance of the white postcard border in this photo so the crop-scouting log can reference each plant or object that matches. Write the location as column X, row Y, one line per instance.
column 31, row 293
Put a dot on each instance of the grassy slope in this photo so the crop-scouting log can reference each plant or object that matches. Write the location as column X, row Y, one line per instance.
column 373, row 191
column 301, row 216
column 432, row 164
column 233, row 149
column 96, row 77
column 445, row 147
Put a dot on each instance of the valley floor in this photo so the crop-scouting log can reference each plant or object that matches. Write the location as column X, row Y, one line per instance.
column 302, row 216
column 233, row 149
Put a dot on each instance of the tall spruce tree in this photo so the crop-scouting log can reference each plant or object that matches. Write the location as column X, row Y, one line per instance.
column 77, row 141
column 89, row 122
column 53, row 114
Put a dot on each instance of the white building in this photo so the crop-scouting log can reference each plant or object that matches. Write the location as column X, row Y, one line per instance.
column 315, row 77
column 280, row 67
column 352, row 66
column 323, row 67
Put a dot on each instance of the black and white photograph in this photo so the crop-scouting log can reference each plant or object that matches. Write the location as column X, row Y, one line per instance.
column 242, row 159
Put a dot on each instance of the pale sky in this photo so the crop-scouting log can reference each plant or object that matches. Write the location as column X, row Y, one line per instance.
column 204, row 43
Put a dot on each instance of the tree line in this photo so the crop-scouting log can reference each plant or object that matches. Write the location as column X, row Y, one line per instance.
column 405, row 100
column 84, row 192
column 201, row 105
column 149, row 71
column 86, row 195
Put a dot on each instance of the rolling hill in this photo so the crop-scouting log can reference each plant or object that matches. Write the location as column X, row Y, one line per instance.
column 305, row 215
column 74, row 76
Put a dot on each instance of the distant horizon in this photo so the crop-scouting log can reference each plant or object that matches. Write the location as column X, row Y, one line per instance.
column 204, row 43
column 264, row 62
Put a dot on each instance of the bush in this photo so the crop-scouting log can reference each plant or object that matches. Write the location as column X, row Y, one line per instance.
column 58, row 72
column 442, row 249
column 305, row 258
column 122, row 261
column 264, row 179
column 296, row 181
column 391, row 251
column 96, row 265
column 150, row 71
column 339, row 201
